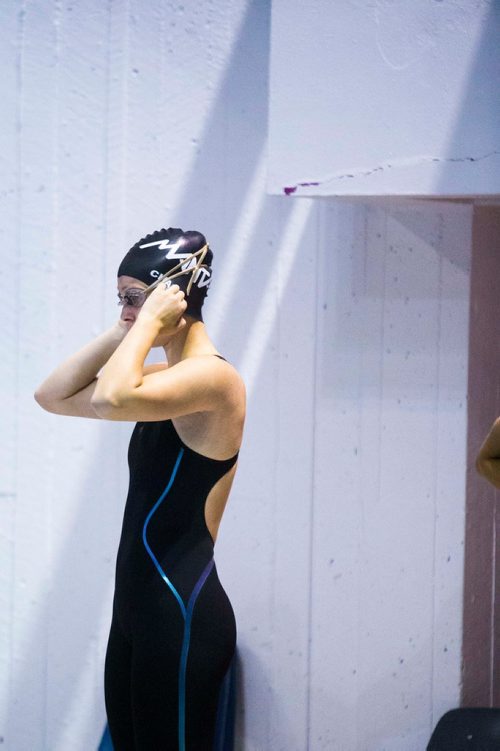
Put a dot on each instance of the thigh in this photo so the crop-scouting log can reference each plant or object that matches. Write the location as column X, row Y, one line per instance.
column 155, row 675
column 211, row 649
column 117, row 689
column 173, row 709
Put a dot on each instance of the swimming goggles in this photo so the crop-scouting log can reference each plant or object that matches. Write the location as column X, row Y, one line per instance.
column 137, row 297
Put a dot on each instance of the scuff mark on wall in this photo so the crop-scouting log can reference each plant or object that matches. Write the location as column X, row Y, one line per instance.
column 423, row 83
column 401, row 163
column 293, row 188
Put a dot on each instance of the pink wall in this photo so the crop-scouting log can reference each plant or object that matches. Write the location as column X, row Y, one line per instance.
column 481, row 651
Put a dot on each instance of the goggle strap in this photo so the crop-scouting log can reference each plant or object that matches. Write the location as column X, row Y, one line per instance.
column 174, row 273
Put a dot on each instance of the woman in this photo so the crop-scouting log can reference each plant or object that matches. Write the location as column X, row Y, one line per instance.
column 173, row 631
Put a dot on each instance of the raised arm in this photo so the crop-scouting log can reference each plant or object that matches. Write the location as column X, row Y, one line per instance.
column 68, row 389
column 488, row 459
column 195, row 384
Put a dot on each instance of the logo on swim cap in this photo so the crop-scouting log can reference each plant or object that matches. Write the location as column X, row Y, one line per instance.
column 184, row 254
column 201, row 278
column 162, row 244
column 172, row 247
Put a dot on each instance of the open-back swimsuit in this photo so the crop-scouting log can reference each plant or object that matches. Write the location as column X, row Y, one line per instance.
column 173, row 630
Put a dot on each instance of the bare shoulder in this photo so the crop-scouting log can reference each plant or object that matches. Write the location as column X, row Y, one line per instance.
column 214, row 432
column 231, row 379
column 218, row 375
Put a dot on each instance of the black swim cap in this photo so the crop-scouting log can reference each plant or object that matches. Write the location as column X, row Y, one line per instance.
column 162, row 251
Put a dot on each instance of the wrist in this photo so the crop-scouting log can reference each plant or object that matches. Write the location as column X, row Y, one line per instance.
column 148, row 323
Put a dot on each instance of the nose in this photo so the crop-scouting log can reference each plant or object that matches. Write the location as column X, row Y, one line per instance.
column 129, row 313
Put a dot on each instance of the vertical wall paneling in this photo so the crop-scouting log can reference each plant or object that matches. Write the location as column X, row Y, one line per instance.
column 27, row 715
column 115, row 241
column 10, row 55
column 293, row 487
column 335, row 544
column 453, row 245
column 401, row 518
column 83, row 476
column 146, row 109
column 384, row 406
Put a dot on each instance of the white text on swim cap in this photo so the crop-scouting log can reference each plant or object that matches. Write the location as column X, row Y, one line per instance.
column 202, row 276
column 170, row 246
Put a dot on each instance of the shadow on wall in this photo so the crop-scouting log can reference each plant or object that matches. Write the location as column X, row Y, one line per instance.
column 73, row 610
column 225, row 193
column 480, row 97
column 428, row 221
column 256, row 257
column 231, row 150
column 385, row 301
column 234, row 134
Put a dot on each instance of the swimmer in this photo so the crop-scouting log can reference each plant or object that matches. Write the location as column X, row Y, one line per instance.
column 173, row 630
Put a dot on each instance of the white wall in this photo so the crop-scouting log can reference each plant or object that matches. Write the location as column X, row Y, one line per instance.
column 385, row 98
column 349, row 324
column 389, row 474
column 351, row 637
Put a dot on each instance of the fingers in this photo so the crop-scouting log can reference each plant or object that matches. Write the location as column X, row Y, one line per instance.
column 167, row 288
column 174, row 292
column 167, row 305
column 173, row 289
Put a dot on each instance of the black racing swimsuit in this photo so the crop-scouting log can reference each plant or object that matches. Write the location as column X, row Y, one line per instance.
column 173, row 631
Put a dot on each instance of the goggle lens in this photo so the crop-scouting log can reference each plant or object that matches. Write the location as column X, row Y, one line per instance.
column 133, row 297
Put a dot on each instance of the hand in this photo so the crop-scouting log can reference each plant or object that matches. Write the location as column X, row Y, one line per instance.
column 166, row 306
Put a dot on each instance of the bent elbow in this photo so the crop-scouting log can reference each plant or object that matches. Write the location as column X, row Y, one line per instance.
column 105, row 405
column 38, row 397
column 43, row 401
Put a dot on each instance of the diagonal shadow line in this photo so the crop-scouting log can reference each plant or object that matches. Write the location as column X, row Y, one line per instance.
column 467, row 142
column 267, row 355
column 240, row 114
column 244, row 87
column 234, row 134
column 480, row 97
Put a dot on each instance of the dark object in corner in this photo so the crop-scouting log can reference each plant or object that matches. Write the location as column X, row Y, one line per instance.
column 474, row 729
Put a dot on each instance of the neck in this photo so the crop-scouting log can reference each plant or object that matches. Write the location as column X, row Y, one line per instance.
column 191, row 341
